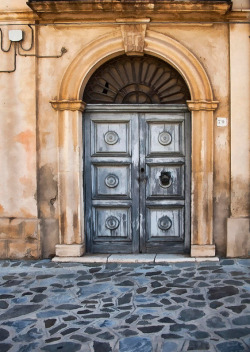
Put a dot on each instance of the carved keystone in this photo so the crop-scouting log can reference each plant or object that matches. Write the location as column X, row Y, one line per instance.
column 133, row 34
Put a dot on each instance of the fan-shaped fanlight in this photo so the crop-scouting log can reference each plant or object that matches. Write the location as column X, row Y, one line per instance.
column 136, row 80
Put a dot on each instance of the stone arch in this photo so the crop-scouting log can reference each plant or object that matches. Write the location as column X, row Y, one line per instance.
column 70, row 107
column 156, row 44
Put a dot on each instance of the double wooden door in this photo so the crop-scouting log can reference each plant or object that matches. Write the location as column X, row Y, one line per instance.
column 137, row 179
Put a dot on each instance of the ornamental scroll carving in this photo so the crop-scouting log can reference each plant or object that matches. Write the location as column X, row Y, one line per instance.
column 133, row 35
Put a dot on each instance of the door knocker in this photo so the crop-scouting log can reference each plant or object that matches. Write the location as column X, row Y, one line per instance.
column 165, row 179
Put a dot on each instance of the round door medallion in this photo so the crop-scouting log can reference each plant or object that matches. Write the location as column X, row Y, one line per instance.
column 164, row 223
column 111, row 181
column 111, row 137
column 164, row 138
column 112, row 223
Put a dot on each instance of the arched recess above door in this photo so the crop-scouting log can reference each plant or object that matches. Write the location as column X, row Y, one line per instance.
column 136, row 80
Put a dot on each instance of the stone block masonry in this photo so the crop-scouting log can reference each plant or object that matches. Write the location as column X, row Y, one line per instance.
column 19, row 238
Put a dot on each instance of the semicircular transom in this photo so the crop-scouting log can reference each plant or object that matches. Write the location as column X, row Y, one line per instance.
column 136, row 80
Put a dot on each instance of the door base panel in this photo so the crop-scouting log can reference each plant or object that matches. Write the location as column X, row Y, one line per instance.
column 111, row 248
column 173, row 248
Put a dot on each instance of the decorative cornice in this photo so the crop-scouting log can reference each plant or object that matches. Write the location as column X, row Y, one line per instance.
column 18, row 16
column 202, row 105
column 71, row 105
column 239, row 15
column 163, row 6
column 133, row 20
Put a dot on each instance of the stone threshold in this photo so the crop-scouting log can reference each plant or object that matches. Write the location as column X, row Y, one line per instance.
column 134, row 258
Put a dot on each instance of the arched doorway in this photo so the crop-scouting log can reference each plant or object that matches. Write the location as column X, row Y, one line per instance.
column 137, row 158
column 70, row 106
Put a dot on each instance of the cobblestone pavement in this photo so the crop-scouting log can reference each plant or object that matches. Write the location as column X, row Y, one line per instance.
column 46, row 306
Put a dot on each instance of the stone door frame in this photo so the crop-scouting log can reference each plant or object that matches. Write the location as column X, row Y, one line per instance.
column 70, row 109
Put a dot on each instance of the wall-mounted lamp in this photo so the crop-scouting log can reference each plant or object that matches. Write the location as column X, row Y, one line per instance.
column 16, row 36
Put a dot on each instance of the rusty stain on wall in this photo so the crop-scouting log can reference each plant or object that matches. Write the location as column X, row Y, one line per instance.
column 47, row 190
column 222, row 207
column 240, row 197
column 49, row 230
column 47, row 195
column 25, row 181
column 27, row 139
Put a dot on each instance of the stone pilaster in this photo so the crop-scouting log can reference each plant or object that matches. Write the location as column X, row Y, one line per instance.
column 202, row 242
column 70, row 177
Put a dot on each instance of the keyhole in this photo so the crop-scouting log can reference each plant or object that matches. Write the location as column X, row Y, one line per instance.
column 142, row 169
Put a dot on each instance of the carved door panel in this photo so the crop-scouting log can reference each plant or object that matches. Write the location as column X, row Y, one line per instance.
column 136, row 181
column 111, row 167
column 165, row 194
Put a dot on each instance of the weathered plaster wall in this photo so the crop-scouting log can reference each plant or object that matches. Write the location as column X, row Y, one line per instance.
column 240, row 123
column 19, row 226
column 14, row 5
column 238, row 236
column 240, row 4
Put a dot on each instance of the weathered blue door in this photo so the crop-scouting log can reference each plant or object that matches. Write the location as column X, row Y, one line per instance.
column 137, row 179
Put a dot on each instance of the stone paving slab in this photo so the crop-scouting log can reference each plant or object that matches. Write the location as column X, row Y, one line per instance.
column 122, row 307
column 133, row 258
column 171, row 258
